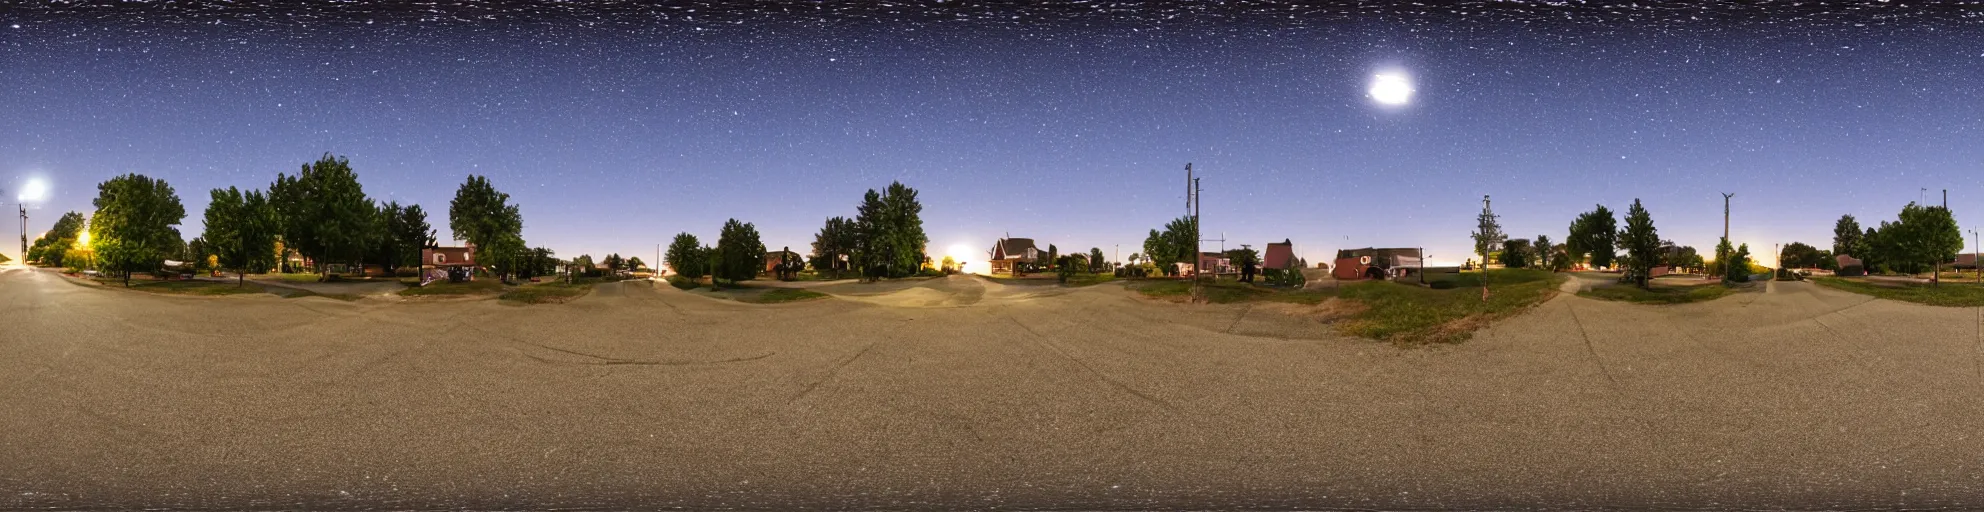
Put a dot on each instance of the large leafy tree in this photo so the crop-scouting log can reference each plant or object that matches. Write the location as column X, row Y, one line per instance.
column 685, row 256
column 1516, row 253
column 484, row 216
column 1095, row 261
column 1928, row 237
column 1800, row 255
column 891, row 239
column 506, row 254
column 132, row 230
column 323, row 212
column 240, row 229
column 1174, row 244
column 1848, row 238
column 1641, row 242
column 52, row 246
column 403, row 232
column 739, row 252
column 834, row 245
column 1594, row 234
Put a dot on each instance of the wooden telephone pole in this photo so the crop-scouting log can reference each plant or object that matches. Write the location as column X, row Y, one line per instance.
column 1725, row 214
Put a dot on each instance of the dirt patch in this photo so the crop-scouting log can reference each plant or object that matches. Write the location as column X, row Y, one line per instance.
column 1329, row 311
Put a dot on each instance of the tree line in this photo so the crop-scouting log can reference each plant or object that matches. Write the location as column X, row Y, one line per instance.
column 321, row 214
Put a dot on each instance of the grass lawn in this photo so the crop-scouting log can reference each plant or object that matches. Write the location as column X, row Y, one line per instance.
column 1228, row 292
column 1410, row 314
column 293, row 278
column 1950, row 294
column 547, row 293
column 1659, row 294
column 477, row 287
column 1404, row 314
column 779, row 295
column 1089, row 279
column 191, row 287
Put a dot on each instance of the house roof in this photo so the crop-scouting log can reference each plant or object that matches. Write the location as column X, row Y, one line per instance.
column 1012, row 248
column 1279, row 255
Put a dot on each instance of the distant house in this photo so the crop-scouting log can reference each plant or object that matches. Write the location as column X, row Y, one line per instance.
column 1376, row 263
column 770, row 260
column 1010, row 252
column 455, row 263
column 1215, row 263
column 1968, row 260
column 1279, row 255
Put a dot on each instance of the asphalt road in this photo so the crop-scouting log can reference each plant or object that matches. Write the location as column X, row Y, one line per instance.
column 972, row 394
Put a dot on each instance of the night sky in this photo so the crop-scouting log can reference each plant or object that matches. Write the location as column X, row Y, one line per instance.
column 615, row 125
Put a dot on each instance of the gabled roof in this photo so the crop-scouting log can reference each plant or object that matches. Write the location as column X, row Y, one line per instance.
column 1012, row 248
column 1279, row 255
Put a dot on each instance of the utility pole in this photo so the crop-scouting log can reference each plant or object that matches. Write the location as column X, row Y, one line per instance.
column 1725, row 214
column 1484, row 251
column 24, row 234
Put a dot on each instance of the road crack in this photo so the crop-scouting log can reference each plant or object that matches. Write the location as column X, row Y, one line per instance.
column 1042, row 340
column 1589, row 349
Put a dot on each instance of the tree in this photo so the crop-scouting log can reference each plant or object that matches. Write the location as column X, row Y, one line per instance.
column 685, row 256
column 614, row 262
column 133, row 226
column 1053, row 257
column 1928, row 237
column 583, row 265
column 1488, row 233
column 1095, row 261
column 949, row 266
column 1847, row 238
column 1593, row 235
column 324, row 212
column 1799, row 255
column 833, row 246
column 538, row 262
column 634, row 264
column 1516, row 253
column 1545, row 252
column 239, row 231
column 1070, row 265
column 505, row 254
column 739, row 253
column 1173, row 245
column 481, row 215
column 1732, row 263
column 1641, row 241
column 1683, row 257
column 890, row 242
column 53, row 245
column 403, row 233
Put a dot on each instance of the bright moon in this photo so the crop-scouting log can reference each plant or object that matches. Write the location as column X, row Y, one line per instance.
column 1391, row 89
column 34, row 190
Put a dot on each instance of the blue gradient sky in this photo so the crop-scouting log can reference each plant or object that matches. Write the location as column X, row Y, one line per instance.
column 616, row 131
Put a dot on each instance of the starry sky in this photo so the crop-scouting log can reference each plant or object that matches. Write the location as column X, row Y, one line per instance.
column 617, row 124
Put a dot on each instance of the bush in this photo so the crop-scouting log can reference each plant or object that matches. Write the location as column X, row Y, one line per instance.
column 930, row 272
column 1286, row 278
